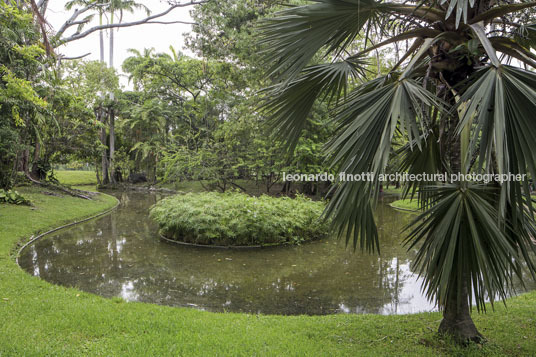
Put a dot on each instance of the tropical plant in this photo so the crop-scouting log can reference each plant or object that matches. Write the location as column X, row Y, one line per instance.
column 462, row 97
column 13, row 197
column 237, row 219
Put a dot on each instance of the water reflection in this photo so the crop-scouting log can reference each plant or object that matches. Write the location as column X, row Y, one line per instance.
column 121, row 255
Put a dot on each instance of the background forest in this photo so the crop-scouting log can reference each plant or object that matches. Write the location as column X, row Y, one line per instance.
column 179, row 118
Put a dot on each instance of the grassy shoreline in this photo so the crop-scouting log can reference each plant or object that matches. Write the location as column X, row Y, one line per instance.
column 410, row 205
column 76, row 178
column 39, row 318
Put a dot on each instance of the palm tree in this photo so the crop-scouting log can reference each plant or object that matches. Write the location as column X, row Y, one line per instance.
column 100, row 6
column 117, row 6
column 121, row 6
column 462, row 98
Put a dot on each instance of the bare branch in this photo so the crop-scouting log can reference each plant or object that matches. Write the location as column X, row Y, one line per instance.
column 72, row 19
column 171, row 22
column 146, row 20
column 42, row 5
column 63, row 58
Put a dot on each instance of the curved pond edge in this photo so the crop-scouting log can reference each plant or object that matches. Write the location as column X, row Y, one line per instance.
column 34, row 239
column 408, row 210
column 226, row 246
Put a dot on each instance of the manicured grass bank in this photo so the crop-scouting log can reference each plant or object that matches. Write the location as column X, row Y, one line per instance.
column 76, row 178
column 406, row 204
column 37, row 318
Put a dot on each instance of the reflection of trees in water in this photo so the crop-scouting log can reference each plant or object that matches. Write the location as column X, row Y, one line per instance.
column 119, row 255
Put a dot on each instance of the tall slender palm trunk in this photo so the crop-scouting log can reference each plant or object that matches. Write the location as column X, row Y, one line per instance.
column 111, row 120
column 102, row 117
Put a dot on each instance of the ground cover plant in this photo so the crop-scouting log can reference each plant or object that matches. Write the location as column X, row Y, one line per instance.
column 234, row 218
column 13, row 197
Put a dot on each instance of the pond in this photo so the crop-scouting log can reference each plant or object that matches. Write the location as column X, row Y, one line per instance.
column 121, row 255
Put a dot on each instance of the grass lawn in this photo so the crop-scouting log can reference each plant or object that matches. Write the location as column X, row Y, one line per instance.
column 393, row 190
column 406, row 204
column 413, row 205
column 76, row 178
column 38, row 318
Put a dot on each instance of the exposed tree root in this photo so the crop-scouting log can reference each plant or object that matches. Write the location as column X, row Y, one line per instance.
column 70, row 191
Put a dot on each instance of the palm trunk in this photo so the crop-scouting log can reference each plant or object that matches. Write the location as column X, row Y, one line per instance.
column 104, row 160
column 111, row 62
column 457, row 321
column 102, row 117
column 104, row 157
column 112, row 114
column 112, row 146
column 101, row 39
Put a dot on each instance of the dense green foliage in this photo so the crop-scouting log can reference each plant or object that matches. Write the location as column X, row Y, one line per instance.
column 184, row 119
column 13, row 197
column 237, row 219
column 21, row 107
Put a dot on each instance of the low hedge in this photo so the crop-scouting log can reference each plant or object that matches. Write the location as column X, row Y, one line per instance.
column 237, row 219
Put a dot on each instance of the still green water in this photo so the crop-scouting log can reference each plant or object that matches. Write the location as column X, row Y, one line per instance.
column 120, row 254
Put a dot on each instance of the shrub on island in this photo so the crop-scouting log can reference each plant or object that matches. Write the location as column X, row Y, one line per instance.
column 237, row 219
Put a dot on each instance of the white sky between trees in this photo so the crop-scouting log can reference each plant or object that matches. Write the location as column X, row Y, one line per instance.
column 138, row 37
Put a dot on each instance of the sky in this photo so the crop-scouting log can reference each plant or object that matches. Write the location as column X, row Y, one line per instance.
column 138, row 37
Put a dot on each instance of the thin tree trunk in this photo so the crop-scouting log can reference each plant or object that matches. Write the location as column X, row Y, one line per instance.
column 102, row 117
column 25, row 161
column 104, row 156
column 101, row 39
column 112, row 114
column 111, row 62
column 97, row 174
column 112, row 146
column 35, row 168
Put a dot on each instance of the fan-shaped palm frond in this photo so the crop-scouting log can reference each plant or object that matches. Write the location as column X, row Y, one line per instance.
column 297, row 34
column 453, row 100
column 292, row 103
column 464, row 245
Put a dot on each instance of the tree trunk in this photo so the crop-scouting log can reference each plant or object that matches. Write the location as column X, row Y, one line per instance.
column 457, row 321
column 112, row 146
column 101, row 39
column 104, row 156
column 35, row 168
column 25, row 161
column 111, row 63
column 97, row 173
